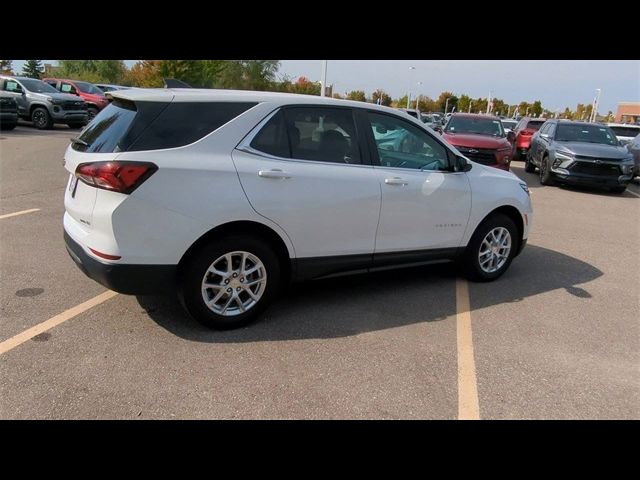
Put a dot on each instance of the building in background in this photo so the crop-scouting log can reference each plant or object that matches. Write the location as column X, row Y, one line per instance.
column 628, row 112
column 50, row 70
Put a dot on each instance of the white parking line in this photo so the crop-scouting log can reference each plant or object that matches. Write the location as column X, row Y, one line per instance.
column 468, row 406
column 633, row 193
column 28, row 334
column 19, row 213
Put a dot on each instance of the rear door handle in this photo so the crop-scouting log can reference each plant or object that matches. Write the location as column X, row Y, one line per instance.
column 396, row 181
column 275, row 173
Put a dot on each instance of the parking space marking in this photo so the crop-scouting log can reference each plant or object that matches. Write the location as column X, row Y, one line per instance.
column 633, row 193
column 28, row 334
column 468, row 407
column 19, row 213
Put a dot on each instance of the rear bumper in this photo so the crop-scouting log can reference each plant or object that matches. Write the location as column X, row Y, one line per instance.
column 8, row 117
column 122, row 278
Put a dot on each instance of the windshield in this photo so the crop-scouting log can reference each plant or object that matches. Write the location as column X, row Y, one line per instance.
column 509, row 124
column 586, row 133
column 626, row 131
column 88, row 88
column 37, row 86
column 479, row 126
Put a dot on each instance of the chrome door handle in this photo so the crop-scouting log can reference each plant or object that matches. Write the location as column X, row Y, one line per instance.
column 275, row 173
column 396, row 181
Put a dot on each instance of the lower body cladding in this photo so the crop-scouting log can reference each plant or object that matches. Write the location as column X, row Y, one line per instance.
column 63, row 116
column 162, row 279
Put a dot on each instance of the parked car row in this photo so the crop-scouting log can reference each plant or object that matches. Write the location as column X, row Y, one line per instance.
column 51, row 101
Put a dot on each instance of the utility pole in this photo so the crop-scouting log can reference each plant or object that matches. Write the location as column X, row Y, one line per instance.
column 594, row 107
column 489, row 102
column 323, row 82
column 446, row 105
column 409, row 94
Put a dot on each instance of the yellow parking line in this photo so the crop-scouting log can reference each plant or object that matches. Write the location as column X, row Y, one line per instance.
column 28, row 334
column 468, row 407
column 19, row 213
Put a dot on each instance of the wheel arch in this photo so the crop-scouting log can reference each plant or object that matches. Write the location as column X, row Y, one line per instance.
column 511, row 212
column 33, row 106
column 244, row 227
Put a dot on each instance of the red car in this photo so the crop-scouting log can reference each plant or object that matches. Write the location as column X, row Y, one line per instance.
column 92, row 95
column 524, row 130
column 480, row 138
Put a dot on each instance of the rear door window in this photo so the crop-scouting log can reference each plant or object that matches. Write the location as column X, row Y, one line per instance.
column 272, row 138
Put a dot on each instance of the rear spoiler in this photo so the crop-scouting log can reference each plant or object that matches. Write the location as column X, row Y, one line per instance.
column 174, row 83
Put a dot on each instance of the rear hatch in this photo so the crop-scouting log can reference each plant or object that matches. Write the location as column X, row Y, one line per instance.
column 110, row 133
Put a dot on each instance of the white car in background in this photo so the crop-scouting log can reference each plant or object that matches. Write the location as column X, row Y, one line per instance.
column 222, row 196
column 625, row 132
column 508, row 124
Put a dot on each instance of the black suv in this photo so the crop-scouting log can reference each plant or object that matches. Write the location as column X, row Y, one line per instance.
column 8, row 112
column 579, row 153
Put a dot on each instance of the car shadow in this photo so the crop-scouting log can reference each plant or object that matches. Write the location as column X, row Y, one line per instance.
column 346, row 306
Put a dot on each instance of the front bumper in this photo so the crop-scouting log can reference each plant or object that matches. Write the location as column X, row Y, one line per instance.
column 593, row 180
column 123, row 278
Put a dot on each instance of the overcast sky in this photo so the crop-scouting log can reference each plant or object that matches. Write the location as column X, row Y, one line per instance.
column 557, row 83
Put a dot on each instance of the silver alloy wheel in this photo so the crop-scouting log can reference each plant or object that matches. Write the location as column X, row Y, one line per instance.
column 494, row 250
column 234, row 283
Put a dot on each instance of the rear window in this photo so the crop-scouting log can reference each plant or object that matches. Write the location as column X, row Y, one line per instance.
column 535, row 124
column 128, row 126
column 625, row 131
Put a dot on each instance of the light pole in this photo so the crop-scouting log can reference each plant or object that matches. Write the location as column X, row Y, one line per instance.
column 418, row 96
column 409, row 95
column 594, row 107
column 446, row 105
column 323, row 82
column 470, row 103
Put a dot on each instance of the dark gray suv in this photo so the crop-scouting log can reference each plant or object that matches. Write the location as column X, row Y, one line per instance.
column 579, row 153
column 43, row 104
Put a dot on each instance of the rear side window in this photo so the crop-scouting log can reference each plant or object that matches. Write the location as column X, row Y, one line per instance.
column 128, row 126
column 182, row 123
column 272, row 139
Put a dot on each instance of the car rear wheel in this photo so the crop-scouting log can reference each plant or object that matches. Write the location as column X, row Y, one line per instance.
column 546, row 177
column 41, row 118
column 491, row 249
column 230, row 282
column 529, row 167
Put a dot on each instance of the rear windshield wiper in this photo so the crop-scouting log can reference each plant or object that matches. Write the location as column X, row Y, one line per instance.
column 81, row 142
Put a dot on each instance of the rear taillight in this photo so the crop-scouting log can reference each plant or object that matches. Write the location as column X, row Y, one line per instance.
column 123, row 177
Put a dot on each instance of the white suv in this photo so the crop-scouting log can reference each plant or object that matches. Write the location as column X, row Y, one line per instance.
column 223, row 196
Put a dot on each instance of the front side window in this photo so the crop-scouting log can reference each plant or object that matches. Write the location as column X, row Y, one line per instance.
column 403, row 145
column 67, row 88
column 322, row 134
column 12, row 86
column 551, row 130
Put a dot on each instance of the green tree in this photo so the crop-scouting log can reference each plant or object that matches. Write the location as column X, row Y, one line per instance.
column 107, row 71
column 536, row 108
column 382, row 96
column 32, row 68
column 442, row 101
column 145, row 73
column 463, row 103
column 427, row 104
column 357, row 95
column 5, row 67
column 304, row 86
column 401, row 102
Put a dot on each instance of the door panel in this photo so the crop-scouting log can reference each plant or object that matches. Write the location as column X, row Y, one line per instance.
column 424, row 204
column 324, row 209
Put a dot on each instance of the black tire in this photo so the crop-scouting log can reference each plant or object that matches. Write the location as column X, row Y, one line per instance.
column 76, row 125
column 193, row 273
column 41, row 118
column 546, row 177
column 8, row 126
column 91, row 113
column 470, row 261
column 618, row 190
column 528, row 166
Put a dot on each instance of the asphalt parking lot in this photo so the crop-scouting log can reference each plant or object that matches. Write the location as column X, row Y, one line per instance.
column 557, row 337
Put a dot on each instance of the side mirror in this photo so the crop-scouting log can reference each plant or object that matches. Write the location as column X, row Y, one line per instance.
column 462, row 165
column 438, row 129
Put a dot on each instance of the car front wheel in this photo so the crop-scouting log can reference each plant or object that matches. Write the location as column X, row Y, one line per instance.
column 230, row 282
column 491, row 249
column 529, row 167
column 546, row 177
column 41, row 118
